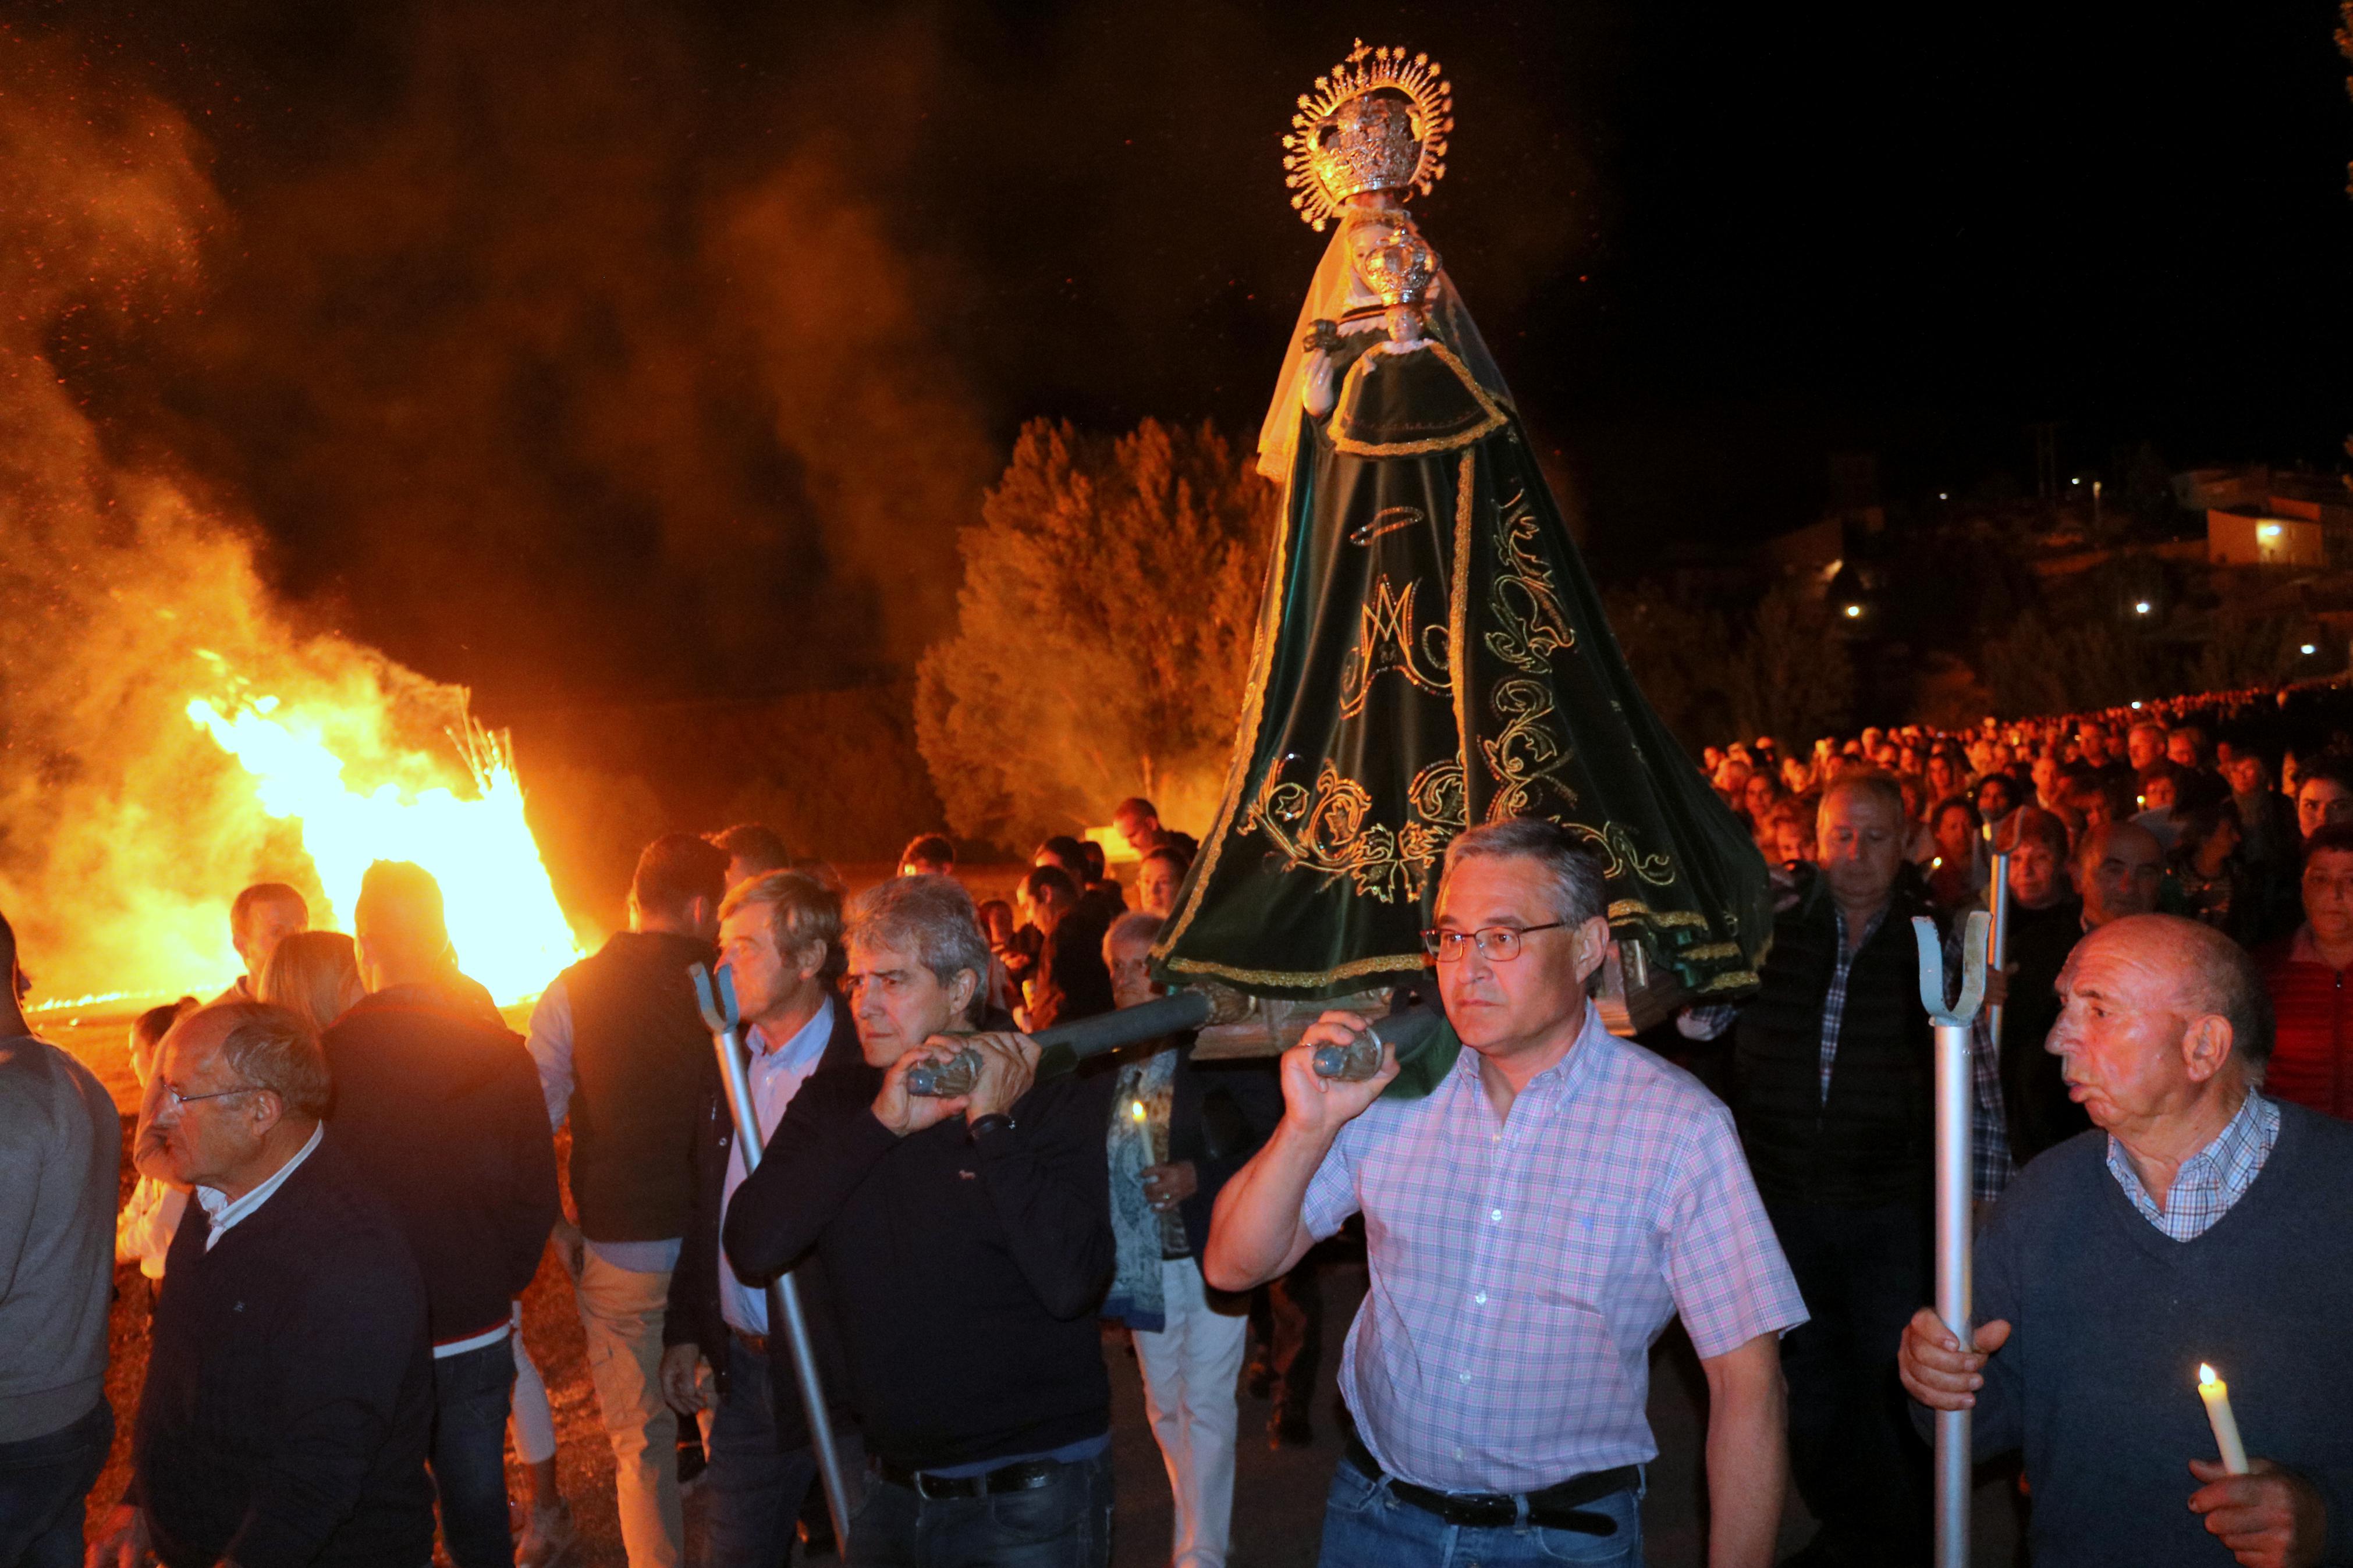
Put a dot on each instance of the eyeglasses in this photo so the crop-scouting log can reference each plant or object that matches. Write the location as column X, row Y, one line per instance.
column 1497, row 944
column 180, row 1101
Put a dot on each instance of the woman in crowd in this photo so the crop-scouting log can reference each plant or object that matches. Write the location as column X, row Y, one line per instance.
column 143, row 1231
column 2205, row 881
column 1958, row 871
column 314, row 973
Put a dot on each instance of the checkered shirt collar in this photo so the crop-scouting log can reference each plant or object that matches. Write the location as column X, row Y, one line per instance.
column 2211, row 1180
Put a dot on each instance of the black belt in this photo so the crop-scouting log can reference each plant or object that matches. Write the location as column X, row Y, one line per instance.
column 1027, row 1475
column 1554, row 1508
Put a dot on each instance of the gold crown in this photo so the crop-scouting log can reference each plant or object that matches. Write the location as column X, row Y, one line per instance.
column 1378, row 123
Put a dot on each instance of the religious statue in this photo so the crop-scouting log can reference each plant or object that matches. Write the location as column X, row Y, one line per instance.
column 1430, row 653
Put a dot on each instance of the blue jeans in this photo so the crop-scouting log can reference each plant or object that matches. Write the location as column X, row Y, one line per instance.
column 755, row 1488
column 43, row 1481
column 1065, row 1523
column 1365, row 1526
column 471, row 1393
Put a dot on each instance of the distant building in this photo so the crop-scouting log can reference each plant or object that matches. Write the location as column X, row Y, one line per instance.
column 2256, row 516
column 2260, row 537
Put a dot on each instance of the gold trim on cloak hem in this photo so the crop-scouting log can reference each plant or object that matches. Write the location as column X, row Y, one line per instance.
column 1302, row 980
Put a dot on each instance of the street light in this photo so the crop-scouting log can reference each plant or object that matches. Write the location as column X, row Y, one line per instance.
column 1854, row 611
column 2309, row 650
column 2140, row 607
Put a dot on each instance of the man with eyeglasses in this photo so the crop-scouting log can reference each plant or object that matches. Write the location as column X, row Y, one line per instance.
column 289, row 1385
column 1531, row 1224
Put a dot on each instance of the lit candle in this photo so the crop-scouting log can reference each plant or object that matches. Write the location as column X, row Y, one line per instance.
column 2217, row 1395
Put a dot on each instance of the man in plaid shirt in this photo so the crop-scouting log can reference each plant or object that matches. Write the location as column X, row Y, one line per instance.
column 1533, row 1223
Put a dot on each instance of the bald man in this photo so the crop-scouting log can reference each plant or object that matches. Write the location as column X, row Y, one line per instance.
column 2200, row 1221
column 288, row 1392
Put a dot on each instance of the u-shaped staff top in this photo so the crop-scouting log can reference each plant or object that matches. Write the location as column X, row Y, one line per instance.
column 1964, row 1009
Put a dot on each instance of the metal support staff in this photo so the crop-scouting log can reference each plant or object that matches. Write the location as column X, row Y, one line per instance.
column 1953, row 1192
column 718, row 1002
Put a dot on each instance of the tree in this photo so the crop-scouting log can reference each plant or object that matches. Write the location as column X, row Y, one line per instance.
column 1103, row 632
column 1792, row 678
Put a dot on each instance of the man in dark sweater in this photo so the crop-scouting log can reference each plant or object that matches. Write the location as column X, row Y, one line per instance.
column 966, row 1244
column 622, row 1054
column 438, row 1107
column 1833, row 1099
column 289, row 1384
column 2200, row 1222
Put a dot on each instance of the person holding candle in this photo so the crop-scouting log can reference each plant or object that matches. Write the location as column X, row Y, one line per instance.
column 1178, row 1131
column 2200, row 1224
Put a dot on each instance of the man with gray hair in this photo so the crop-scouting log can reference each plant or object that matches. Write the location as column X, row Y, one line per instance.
column 1534, row 1222
column 289, row 1398
column 780, row 938
column 965, row 1243
column 2200, row 1224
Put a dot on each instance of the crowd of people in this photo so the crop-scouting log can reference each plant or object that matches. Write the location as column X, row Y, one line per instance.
column 347, row 1171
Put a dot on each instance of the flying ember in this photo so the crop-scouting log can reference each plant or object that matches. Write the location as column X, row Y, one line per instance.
column 504, row 921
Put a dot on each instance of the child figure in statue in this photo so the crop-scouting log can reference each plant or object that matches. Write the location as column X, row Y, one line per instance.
column 1430, row 652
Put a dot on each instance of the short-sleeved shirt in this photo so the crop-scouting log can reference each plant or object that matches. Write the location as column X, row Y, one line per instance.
column 1521, row 1269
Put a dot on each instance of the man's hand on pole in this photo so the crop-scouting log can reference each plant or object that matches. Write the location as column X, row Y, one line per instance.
column 1008, row 1065
column 2269, row 1518
column 1935, row 1369
column 1320, row 1105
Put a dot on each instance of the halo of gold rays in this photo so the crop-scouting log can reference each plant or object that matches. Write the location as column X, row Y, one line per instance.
column 1419, row 80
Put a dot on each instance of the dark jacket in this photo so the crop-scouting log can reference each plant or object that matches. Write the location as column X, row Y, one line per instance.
column 642, row 1070
column 438, row 1107
column 693, row 1316
column 2036, row 1111
column 1072, row 980
column 289, row 1386
column 1869, row 1141
column 964, row 1274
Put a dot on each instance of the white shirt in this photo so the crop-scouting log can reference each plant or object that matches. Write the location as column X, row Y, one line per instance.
column 224, row 1212
column 776, row 1075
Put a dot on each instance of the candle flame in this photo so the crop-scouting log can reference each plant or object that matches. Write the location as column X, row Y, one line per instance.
column 2206, row 1378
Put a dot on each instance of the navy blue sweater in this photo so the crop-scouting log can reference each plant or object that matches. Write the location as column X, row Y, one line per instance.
column 289, row 1388
column 2110, row 1319
column 964, row 1276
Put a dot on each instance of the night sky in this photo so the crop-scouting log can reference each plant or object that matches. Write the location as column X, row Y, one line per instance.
column 616, row 351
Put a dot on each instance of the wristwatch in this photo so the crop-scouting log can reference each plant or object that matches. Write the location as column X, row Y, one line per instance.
column 993, row 1121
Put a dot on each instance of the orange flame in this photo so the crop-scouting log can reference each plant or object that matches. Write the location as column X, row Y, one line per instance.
column 504, row 921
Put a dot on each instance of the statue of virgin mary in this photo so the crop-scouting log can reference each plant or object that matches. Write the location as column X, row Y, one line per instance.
column 1430, row 653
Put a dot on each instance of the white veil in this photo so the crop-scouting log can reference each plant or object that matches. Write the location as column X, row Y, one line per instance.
column 1335, row 290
